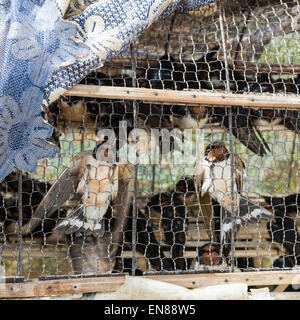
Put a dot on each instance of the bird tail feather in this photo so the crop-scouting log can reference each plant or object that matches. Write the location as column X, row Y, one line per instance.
column 248, row 213
column 76, row 223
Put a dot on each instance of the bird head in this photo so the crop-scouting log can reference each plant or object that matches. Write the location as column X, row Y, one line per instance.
column 209, row 255
column 216, row 152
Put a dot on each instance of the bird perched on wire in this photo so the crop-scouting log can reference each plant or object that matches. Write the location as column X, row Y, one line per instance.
column 172, row 209
column 207, row 255
column 208, row 73
column 288, row 204
column 33, row 192
column 94, row 176
column 244, row 126
column 288, row 118
column 146, row 243
column 219, row 175
column 283, row 229
column 103, row 189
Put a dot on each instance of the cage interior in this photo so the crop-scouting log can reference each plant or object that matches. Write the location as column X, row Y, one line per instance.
column 163, row 225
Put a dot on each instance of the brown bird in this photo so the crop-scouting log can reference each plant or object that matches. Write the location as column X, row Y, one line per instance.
column 96, row 180
column 94, row 228
column 213, row 178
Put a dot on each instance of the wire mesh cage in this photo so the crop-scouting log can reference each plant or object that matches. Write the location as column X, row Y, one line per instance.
column 231, row 203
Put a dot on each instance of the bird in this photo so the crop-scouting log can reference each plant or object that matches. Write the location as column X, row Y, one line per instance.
column 283, row 228
column 146, row 244
column 33, row 191
column 288, row 204
column 244, row 126
column 207, row 255
column 94, row 176
column 208, row 73
column 51, row 115
column 288, row 118
column 213, row 178
column 93, row 228
column 172, row 208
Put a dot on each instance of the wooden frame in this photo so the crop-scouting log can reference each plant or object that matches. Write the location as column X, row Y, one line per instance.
column 191, row 97
column 112, row 283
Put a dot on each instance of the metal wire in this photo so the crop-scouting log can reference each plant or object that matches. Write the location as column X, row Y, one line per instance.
column 135, row 187
column 230, row 136
column 241, row 49
column 292, row 161
column 20, row 220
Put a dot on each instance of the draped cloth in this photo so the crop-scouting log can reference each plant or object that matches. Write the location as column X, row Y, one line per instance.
column 47, row 47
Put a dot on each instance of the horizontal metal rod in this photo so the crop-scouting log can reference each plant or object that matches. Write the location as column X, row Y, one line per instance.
column 192, row 97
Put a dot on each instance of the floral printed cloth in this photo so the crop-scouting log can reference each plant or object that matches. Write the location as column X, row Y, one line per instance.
column 48, row 46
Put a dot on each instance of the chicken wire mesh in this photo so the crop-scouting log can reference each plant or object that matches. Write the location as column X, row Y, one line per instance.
column 160, row 217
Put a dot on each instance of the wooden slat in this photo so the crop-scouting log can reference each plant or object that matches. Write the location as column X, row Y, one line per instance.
column 57, row 287
column 38, row 254
column 238, row 254
column 194, row 97
column 280, row 288
column 111, row 284
column 285, row 295
column 237, row 244
column 71, row 121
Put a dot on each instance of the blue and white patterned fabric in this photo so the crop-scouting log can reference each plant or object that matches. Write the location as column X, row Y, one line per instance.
column 48, row 46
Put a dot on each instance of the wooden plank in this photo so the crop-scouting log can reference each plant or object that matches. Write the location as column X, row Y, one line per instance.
column 280, row 288
column 192, row 97
column 67, row 119
column 237, row 244
column 111, row 284
column 285, row 295
column 57, row 287
column 251, row 278
column 238, row 254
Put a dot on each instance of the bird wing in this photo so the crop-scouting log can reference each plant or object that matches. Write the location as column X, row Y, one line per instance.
column 243, row 127
column 291, row 119
column 207, row 214
column 204, row 199
column 239, row 171
column 59, row 193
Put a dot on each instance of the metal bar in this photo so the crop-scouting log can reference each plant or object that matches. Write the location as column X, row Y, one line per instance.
column 20, row 240
column 230, row 137
column 134, row 200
